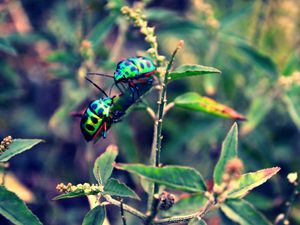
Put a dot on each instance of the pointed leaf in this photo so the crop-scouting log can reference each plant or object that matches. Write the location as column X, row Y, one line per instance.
column 15, row 210
column 197, row 221
column 95, row 216
column 196, row 102
column 187, row 205
column 103, row 166
column 243, row 212
column 18, row 146
column 74, row 194
column 6, row 47
column 228, row 152
column 100, row 31
column 249, row 181
column 187, row 70
column 264, row 61
column 291, row 99
column 259, row 108
column 114, row 187
column 177, row 177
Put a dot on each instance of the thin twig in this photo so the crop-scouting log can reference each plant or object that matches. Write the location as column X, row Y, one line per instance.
column 186, row 218
column 157, row 138
column 126, row 208
column 168, row 107
column 151, row 113
column 122, row 212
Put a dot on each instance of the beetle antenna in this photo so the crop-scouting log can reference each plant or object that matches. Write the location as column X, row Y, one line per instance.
column 111, row 89
column 99, row 88
column 100, row 74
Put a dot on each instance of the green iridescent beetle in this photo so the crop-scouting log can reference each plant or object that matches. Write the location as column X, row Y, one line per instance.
column 137, row 69
column 134, row 68
column 132, row 71
column 102, row 113
column 96, row 119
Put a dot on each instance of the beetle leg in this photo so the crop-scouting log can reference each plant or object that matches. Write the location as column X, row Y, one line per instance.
column 117, row 85
column 77, row 114
column 104, row 128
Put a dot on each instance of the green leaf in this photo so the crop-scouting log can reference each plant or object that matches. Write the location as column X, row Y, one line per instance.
column 224, row 219
column 177, row 177
column 6, row 47
column 15, row 210
column 18, row 146
column 265, row 62
column 229, row 21
column 197, row 221
column 261, row 201
column 194, row 101
column 291, row 99
column 95, row 216
column 114, row 187
column 228, row 152
column 248, row 181
column 243, row 212
column 62, row 56
column 186, row 205
column 100, row 31
column 292, row 64
column 259, row 108
column 73, row 194
column 187, row 70
column 103, row 166
column 160, row 14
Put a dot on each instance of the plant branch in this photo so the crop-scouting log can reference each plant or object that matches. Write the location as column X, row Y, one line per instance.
column 151, row 113
column 186, row 218
column 122, row 212
column 126, row 208
column 157, row 136
column 168, row 107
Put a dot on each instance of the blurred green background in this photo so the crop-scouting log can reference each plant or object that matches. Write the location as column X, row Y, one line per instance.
column 46, row 48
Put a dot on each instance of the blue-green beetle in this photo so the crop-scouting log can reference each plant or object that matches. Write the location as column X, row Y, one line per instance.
column 96, row 119
column 132, row 71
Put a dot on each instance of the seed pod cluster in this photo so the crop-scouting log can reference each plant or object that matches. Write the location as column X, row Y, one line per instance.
column 5, row 143
column 167, row 200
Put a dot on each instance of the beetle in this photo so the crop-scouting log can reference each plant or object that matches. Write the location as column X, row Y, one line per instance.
column 96, row 119
column 101, row 113
column 131, row 71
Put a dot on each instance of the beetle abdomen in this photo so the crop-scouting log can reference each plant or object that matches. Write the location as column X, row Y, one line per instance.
column 133, row 68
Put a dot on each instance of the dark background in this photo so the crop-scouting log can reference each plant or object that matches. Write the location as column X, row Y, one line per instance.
column 254, row 43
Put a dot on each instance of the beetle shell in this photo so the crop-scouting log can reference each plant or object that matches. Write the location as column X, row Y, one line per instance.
column 94, row 117
column 134, row 68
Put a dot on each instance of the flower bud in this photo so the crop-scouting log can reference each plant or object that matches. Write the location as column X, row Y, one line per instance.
column 167, row 200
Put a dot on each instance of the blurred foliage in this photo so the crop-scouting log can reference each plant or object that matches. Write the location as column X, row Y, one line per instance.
column 46, row 48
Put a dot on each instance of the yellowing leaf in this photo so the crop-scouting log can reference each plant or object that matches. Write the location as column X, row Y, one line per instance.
column 13, row 184
column 196, row 102
column 249, row 181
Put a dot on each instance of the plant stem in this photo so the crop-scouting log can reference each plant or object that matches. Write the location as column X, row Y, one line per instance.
column 126, row 208
column 122, row 212
column 186, row 218
column 157, row 138
column 291, row 201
